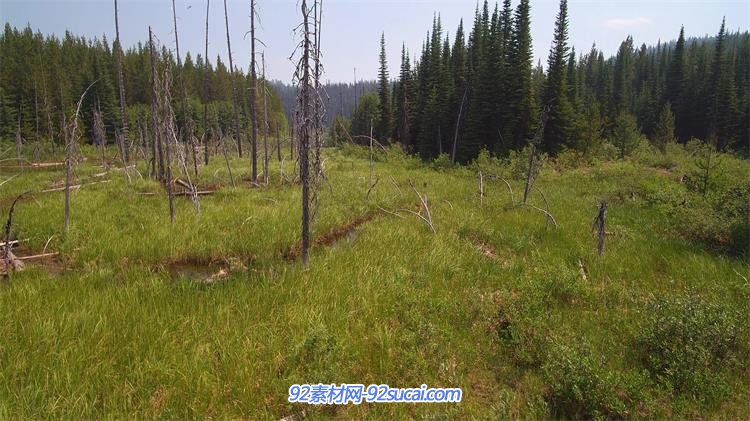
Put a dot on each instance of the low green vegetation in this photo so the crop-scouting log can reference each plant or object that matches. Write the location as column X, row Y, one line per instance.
column 208, row 317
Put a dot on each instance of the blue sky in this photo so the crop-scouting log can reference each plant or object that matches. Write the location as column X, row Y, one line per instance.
column 351, row 32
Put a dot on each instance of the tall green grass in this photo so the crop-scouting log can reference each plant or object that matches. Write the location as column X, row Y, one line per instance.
column 522, row 331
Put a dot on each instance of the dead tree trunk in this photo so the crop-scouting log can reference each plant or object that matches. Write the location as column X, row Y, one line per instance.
column 532, row 166
column 206, row 95
column 600, row 226
column 458, row 125
column 186, row 131
column 36, row 123
column 70, row 141
column 121, row 88
column 157, row 164
column 19, row 138
column 266, row 127
column 305, row 116
column 253, row 97
column 235, row 96
column 278, row 140
column 100, row 135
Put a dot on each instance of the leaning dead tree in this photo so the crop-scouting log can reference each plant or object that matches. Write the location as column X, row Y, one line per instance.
column 532, row 169
column 235, row 96
column 71, row 139
column 308, row 118
column 122, row 139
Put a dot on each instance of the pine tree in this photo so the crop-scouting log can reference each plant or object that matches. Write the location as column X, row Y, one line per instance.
column 675, row 83
column 623, row 77
column 385, row 121
column 402, row 98
column 521, row 101
column 559, row 127
column 723, row 107
column 664, row 132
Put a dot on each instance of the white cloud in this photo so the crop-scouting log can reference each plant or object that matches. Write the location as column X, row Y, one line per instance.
column 623, row 23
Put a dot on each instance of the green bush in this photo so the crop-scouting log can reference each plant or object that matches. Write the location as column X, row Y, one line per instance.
column 442, row 163
column 570, row 159
column 687, row 343
column 604, row 151
column 581, row 387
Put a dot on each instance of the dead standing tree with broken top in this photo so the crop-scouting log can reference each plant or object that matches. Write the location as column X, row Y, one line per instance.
column 235, row 97
column 533, row 166
column 71, row 138
column 308, row 116
column 253, row 99
column 122, row 138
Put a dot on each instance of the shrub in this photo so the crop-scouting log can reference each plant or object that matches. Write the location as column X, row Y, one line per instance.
column 580, row 387
column 604, row 151
column 570, row 159
column 442, row 163
column 685, row 343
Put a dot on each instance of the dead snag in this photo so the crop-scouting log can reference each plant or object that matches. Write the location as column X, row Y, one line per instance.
column 600, row 227
column 100, row 136
column 253, row 98
column 533, row 167
column 278, row 141
column 458, row 125
column 235, row 98
column 308, row 120
column 481, row 188
column 205, row 97
column 186, row 131
column 70, row 144
column 157, row 160
column 266, row 127
column 121, row 90
column 19, row 138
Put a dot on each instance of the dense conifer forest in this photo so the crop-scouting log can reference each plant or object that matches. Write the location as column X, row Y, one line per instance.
column 480, row 90
column 41, row 78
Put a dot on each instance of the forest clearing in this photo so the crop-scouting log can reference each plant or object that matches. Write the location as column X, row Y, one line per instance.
column 477, row 237
column 210, row 318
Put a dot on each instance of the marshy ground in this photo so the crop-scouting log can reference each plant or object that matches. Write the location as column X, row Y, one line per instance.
column 213, row 316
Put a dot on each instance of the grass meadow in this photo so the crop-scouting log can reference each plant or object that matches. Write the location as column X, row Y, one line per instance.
column 130, row 320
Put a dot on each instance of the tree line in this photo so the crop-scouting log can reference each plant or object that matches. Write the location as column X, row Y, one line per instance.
column 41, row 77
column 481, row 91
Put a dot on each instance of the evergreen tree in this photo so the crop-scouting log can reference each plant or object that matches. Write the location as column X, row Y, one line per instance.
column 521, row 100
column 402, row 98
column 385, row 121
column 559, row 127
column 723, row 106
column 675, row 82
column 665, row 128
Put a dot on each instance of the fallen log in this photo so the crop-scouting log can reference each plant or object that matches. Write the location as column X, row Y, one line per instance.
column 76, row 187
column 180, row 194
column 38, row 256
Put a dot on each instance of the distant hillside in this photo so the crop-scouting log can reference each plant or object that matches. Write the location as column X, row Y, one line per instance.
column 340, row 97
